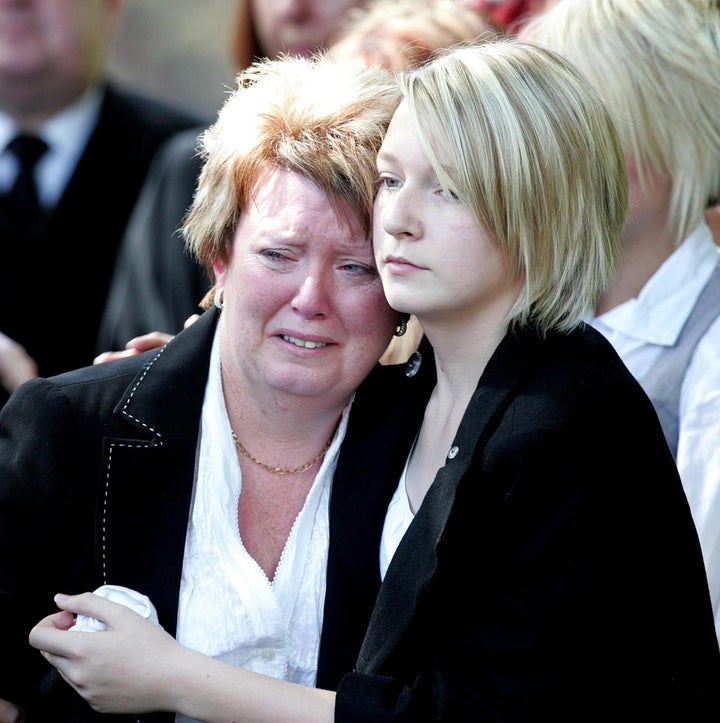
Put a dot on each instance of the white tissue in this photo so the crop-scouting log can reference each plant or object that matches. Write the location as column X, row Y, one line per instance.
column 136, row 601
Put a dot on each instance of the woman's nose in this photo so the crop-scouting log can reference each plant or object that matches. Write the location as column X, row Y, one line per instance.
column 397, row 215
column 313, row 296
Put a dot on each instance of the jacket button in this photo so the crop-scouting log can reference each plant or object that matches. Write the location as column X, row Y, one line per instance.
column 413, row 364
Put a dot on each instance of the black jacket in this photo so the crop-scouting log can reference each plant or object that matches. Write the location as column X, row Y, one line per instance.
column 553, row 571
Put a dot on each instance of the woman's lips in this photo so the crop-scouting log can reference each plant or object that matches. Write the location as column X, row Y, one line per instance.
column 400, row 265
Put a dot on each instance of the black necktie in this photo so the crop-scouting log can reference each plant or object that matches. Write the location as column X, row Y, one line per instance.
column 23, row 195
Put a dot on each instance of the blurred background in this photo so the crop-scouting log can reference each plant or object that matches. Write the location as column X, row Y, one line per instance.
column 178, row 50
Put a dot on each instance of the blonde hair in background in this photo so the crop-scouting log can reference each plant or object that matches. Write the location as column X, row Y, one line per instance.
column 321, row 118
column 401, row 34
column 525, row 142
column 657, row 65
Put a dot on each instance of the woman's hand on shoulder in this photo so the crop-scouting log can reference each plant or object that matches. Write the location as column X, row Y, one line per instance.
column 135, row 346
column 138, row 344
column 10, row 713
column 16, row 367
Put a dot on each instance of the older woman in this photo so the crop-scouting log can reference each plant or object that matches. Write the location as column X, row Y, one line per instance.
column 200, row 475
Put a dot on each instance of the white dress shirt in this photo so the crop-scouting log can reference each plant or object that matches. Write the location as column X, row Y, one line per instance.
column 639, row 329
column 228, row 607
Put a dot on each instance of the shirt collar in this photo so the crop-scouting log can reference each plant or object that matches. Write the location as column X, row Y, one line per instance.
column 658, row 313
column 68, row 128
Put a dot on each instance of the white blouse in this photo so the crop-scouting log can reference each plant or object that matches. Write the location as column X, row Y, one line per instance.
column 397, row 520
column 228, row 608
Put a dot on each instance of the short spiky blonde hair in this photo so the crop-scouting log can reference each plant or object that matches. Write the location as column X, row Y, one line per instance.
column 657, row 66
column 321, row 118
column 525, row 142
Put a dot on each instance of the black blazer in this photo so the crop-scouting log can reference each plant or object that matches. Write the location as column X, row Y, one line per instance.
column 54, row 279
column 96, row 474
column 553, row 572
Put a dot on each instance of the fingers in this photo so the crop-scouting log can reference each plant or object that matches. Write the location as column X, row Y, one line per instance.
column 49, row 635
column 16, row 365
column 89, row 604
column 139, row 343
column 44, row 634
column 149, row 341
column 107, row 356
column 48, row 639
column 10, row 713
column 58, row 621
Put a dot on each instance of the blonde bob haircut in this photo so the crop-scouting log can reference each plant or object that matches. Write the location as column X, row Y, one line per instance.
column 656, row 63
column 525, row 142
column 320, row 118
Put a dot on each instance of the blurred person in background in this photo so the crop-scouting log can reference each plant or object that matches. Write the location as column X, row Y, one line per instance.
column 402, row 34
column 267, row 28
column 657, row 66
column 74, row 151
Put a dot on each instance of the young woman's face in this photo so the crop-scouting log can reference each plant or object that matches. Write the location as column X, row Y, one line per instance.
column 434, row 260
column 304, row 311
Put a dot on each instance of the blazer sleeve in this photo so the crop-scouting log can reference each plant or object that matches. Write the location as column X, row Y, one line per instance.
column 44, row 463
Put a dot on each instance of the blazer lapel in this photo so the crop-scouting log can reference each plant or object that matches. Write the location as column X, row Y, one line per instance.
column 415, row 562
column 370, row 462
column 149, row 478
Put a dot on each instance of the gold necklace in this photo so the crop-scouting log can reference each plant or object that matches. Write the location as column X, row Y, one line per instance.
column 280, row 470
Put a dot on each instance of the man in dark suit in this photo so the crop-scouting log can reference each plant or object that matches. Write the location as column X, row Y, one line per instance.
column 97, row 141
